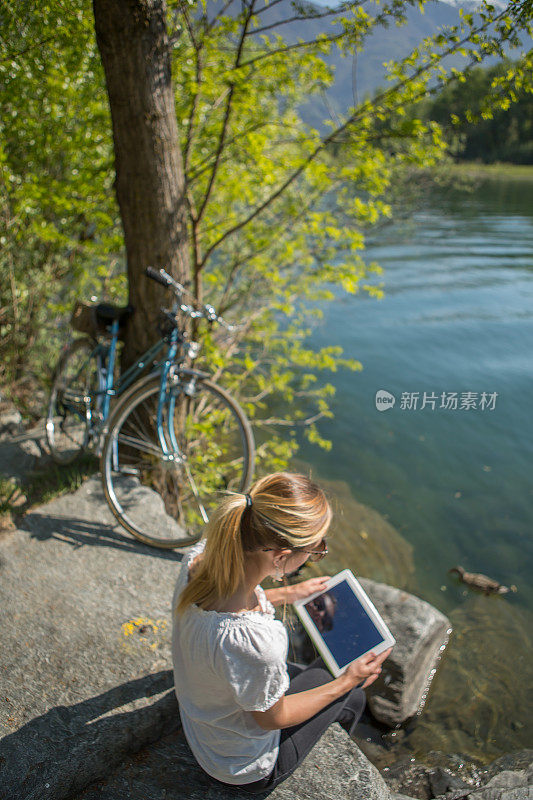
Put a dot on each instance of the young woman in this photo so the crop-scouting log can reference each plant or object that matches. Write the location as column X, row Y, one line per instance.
column 249, row 716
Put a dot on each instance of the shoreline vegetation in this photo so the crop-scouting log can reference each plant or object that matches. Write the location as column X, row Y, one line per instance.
column 499, row 169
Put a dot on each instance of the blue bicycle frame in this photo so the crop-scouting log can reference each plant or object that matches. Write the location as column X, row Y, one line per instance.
column 106, row 357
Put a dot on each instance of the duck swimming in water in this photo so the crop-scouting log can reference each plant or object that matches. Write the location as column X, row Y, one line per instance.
column 482, row 582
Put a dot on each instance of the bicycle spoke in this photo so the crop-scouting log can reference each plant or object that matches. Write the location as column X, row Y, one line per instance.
column 169, row 497
column 141, row 426
column 195, row 492
column 146, row 447
column 69, row 416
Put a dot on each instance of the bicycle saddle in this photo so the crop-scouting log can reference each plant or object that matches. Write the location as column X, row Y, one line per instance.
column 105, row 312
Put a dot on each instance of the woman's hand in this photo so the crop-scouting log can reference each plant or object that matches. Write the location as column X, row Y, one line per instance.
column 368, row 666
column 300, row 590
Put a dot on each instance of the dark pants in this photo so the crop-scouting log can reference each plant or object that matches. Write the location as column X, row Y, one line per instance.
column 296, row 742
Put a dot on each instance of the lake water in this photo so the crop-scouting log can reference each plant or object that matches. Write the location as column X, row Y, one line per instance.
column 455, row 483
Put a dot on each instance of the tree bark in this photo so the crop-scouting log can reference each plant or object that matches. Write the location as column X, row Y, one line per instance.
column 150, row 183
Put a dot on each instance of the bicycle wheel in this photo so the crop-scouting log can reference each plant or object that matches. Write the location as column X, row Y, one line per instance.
column 161, row 498
column 69, row 409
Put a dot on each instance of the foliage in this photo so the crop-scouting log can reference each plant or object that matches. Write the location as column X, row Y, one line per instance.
column 42, row 486
column 277, row 213
column 478, row 130
column 59, row 216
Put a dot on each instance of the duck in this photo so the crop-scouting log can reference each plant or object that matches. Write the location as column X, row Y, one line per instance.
column 483, row 582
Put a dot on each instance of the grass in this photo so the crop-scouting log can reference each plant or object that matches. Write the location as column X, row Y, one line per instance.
column 474, row 169
column 44, row 484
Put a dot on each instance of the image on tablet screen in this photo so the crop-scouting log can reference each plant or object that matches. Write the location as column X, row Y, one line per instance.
column 343, row 623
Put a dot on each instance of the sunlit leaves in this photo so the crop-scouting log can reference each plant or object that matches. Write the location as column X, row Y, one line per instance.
column 277, row 220
column 56, row 202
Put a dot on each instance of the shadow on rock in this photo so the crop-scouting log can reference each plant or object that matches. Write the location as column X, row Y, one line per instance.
column 80, row 532
column 61, row 752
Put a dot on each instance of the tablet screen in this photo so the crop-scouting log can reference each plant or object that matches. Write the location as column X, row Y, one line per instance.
column 343, row 623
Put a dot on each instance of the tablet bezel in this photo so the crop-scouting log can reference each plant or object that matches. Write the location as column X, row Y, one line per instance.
column 348, row 576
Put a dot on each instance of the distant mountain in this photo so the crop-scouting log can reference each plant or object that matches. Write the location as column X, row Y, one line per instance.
column 358, row 76
column 474, row 3
column 363, row 74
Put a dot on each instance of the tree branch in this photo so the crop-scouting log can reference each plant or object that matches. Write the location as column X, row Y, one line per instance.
column 206, row 162
column 296, row 46
column 300, row 18
column 192, row 113
column 227, row 113
column 267, row 7
column 210, row 25
column 366, row 107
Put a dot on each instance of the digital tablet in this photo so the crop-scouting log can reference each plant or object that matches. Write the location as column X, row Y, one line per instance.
column 343, row 622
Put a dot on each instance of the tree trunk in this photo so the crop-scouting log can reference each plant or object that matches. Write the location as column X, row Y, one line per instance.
column 133, row 43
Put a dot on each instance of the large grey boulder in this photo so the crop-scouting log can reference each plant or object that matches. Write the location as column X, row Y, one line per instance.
column 85, row 667
column 421, row 633
column 60, row 752
column 85, row 646
column 335, row 768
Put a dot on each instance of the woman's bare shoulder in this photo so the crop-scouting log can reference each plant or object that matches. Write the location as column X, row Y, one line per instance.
column 195, row 563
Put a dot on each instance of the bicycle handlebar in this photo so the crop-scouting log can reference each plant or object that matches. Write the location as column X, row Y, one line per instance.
column 162, row 277
column 206, row 312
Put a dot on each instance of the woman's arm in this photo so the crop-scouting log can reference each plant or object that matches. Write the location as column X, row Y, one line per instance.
column 291, row 709
column 278, row 596
column 297, row 591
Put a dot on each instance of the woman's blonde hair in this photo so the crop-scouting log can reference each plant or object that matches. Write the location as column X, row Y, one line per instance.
column 288, row 510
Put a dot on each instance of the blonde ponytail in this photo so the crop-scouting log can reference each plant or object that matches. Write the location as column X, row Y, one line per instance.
column 288, row 510
column 222, row 566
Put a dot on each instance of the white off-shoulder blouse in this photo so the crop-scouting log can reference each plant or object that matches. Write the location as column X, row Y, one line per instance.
column 226, row 665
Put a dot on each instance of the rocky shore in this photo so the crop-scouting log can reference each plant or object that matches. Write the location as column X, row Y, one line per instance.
column 87, row 707
column 509, row 777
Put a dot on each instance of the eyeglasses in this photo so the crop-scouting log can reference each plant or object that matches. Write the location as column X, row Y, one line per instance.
column 315, row 555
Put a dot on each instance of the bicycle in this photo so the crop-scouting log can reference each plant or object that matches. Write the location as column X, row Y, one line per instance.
column 173, row 439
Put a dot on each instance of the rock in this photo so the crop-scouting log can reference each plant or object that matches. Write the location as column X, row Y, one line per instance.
column 410, row 778
column 519, row 760
column 506, row 785
column 10, row 419
column 27, row 394
column 462, row 780
column 85, row 664
column 418, row 780
column 19, row 448
column 442, row 781
column 421, row 633
column 334, row 768
column 61, row 751
column 19, row 455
